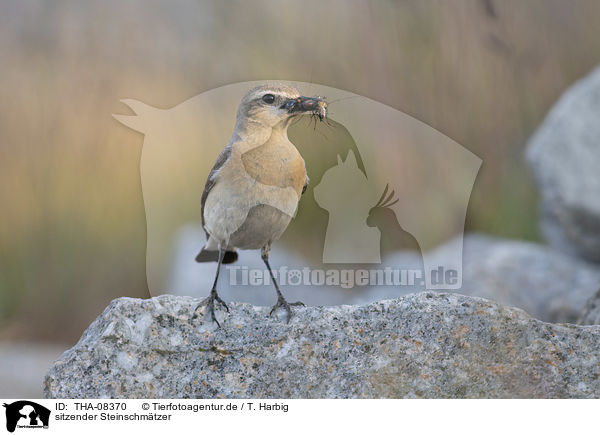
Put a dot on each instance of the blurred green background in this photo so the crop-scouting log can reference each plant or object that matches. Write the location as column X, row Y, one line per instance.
column 72, row 229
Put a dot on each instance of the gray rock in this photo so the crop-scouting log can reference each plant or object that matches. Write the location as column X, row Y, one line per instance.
column 549, row 285
column 423, row 345
column 564, row 154
column 591, row 311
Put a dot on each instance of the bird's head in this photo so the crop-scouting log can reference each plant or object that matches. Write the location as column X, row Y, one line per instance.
column 272, row 105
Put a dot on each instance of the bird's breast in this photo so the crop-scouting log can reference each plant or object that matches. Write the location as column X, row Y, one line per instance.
column 276, row 164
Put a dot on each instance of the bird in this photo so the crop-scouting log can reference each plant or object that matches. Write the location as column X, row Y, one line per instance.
column 253, row 190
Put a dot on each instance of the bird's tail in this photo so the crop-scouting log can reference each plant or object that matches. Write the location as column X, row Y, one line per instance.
column 206, row 256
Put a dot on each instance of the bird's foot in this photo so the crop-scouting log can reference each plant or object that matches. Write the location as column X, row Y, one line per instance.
column 282, row 303
column 209, row 303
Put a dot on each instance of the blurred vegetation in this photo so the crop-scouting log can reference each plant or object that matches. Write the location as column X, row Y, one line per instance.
column 72, row 229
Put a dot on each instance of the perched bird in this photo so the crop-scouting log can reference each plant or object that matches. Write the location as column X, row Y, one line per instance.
column 252, row 192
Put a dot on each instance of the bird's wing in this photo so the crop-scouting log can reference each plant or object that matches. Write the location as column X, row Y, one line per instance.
column 212, row 177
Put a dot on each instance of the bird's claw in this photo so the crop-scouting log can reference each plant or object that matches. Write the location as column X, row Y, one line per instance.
column 282, row 303
column 209, row 302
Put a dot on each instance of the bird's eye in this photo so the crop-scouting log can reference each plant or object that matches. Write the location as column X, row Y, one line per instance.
column 268, row 98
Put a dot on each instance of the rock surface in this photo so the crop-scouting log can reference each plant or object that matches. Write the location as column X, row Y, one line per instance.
column 564, row 155
column 422, row 345
column 549, row 285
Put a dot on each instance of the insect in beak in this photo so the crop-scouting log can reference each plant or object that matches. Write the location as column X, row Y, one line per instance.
column 315, row 105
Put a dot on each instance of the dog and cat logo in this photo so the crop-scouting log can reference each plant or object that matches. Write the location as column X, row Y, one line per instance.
column 381, row 181
column 25, row 414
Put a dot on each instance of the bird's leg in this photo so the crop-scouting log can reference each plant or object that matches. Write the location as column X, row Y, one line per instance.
column 281, row 302
column 209, row 302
